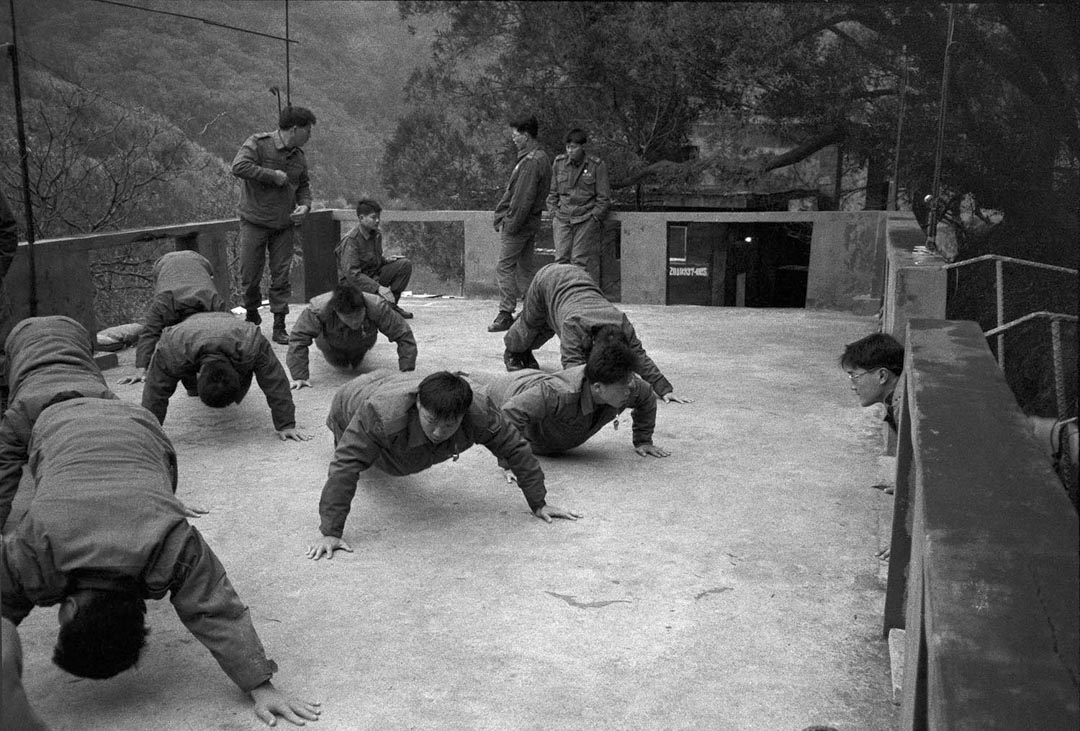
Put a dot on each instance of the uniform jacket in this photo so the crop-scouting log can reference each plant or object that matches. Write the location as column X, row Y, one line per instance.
column 579, row 192
column 526, row 192
column 574, row 306
column 317, row 323
column 384, row 431
column 360, row 258
column 184, row 347
column 556, row 412
column 48, row 355
column 262, row 201
column 104, row 512
column 183, row 285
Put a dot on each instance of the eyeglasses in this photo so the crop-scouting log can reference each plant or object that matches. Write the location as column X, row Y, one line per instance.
column 856, row 376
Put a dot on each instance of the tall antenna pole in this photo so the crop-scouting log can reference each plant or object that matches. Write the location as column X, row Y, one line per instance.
column 931, row 235
column 894, row 187
column 288, row 73
column 23, row 163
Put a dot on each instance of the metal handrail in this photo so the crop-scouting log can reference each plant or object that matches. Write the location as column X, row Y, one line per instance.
column 1056, row 318
column 999, row 290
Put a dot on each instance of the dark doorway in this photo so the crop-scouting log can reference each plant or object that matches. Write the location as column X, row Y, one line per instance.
column 738, row 264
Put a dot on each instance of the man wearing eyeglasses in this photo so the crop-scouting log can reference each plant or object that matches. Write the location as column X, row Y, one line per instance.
column 874, row 364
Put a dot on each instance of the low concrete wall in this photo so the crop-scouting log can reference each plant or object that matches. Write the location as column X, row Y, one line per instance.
column 915, row 281
column 983, row 572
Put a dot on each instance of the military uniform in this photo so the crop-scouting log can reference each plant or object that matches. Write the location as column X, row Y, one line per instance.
column 517, row 216
column 183, row 285
column 361, row 264
column 563, row 300
column 184, row 347
column 264, row 210
column 343, row 345
column 104, row 512
column 556, row 412
column 48, row 355
column 383, row 430
column 579, row 199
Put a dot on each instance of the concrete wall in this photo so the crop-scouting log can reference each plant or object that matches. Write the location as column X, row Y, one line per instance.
column 915, row 280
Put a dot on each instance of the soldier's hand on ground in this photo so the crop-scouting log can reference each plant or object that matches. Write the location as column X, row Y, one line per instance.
column 671, row 398
column 297, row 385
column 271, row 703
column 386, row 294
column 510, row 476
column 547, row 512
column 325, row 546
column 651, row 450
column 139, row 377
column 293, row 434
column 193, row 512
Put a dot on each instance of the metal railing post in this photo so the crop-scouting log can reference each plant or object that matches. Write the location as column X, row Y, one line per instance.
column 999, row 285
column 1059, row 368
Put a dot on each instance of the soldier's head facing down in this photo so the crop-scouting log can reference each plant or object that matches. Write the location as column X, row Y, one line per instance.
column 610, row 366
column 523, row 130
column 102, row 632
column 218, row 383
column 294, row 125
column 348, row 302
column 443, row 399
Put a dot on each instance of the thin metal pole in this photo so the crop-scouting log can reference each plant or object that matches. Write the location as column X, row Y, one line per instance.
column 1000, row 289
column 1059, row 368
column 24, row 165
column 288, row 70
column 931, row 236
column 894, row 187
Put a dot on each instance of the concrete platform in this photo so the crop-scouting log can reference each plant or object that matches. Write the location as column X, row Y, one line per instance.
column 733, row 585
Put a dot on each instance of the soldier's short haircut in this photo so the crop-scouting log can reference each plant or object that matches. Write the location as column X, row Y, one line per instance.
column 446, row 395
column 364, row 206
column 346, row 298
column 105, row 637
column 295, row 117
column 528, row 125
column 878, row 350
column 218, row 383
column 577, row 136
column 611, row 359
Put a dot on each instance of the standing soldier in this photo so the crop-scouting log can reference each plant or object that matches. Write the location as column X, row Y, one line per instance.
column 517, row 219
column 274, row 197
column 579, row 199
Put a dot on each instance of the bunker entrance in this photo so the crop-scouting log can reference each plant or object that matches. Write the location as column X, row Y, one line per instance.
column 738, row 264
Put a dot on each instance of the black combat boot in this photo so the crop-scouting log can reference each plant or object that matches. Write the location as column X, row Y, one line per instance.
column 280, row 336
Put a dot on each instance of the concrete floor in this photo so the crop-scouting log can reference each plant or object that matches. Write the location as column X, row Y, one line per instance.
column 733, row 585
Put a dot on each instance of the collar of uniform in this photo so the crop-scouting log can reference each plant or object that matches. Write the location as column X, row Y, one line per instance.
column 415, row 434
column 353, row 320
column 278, row 142
column 532, row 145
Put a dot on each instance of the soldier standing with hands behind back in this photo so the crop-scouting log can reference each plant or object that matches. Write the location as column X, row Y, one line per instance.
column 517, row 219
column 275, row 196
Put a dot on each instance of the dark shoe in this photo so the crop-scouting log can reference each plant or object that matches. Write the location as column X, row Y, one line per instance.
column 279, row 335
column 404, row 313
column 514, row 361
column 529, row 360
column 502, row 322
column 253, row 317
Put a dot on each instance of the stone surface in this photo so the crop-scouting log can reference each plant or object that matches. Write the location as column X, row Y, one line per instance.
column 733, row 585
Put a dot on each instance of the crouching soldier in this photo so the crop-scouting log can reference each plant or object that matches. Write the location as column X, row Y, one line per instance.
column 563, row 300
column 183, row 286
column 104, row 533
column 556, row 412
column 215, row 355
column 47, row 356
column 344, row 325
column 403, row 425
